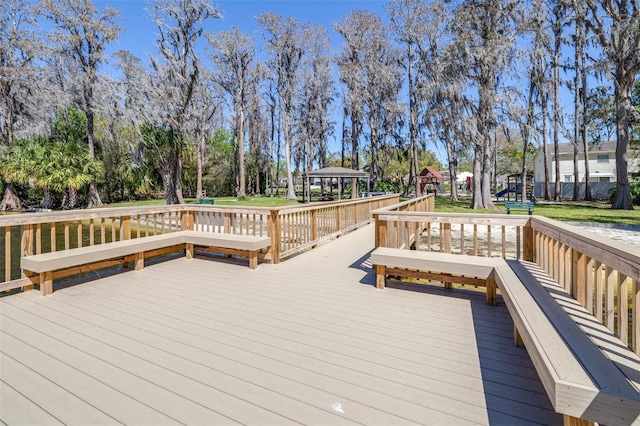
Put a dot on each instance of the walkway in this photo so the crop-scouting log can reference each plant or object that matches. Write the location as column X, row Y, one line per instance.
column 308, row 341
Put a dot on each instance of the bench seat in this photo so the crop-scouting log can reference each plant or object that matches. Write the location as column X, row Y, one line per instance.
column 45, row 264
column 588, row 374
column 586, row 371
column 445, row 267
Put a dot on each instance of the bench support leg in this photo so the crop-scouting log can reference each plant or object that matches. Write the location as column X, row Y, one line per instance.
column 380, row 276
column 574, row 421
column 138, row 261
column 517, row 337
column 46, row 283
column 491, row 291
column 253, row 259
column 189, row 251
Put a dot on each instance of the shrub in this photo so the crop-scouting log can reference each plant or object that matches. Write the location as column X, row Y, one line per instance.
column 634, row 189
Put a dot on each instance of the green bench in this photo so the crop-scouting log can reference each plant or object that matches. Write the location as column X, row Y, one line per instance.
column 519, row 206
column 206, row 201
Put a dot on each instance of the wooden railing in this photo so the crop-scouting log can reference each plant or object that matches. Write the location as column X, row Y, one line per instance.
column 600, row 273
column 292, row 229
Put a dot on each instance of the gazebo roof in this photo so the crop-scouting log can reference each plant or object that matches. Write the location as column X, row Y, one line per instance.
column 337, row 172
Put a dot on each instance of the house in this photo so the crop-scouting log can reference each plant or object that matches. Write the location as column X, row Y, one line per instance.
column 602, row 163
column 602, row 169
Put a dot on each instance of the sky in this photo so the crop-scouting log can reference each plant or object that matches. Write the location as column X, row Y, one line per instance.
column 139, row 34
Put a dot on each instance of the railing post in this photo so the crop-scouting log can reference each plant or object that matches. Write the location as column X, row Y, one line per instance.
column 446, row 235
column 7, row 253
column 314, row 225
column 227, row 223
column 338, row 219
column 125, row 227
column 187, row 220
column 26, row 249
column 275, row 230
column 579, row 276
column 381, row 233
column 528, row 243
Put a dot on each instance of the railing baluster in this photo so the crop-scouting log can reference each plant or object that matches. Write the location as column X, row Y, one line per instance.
column 623, row 309
column 7, row 253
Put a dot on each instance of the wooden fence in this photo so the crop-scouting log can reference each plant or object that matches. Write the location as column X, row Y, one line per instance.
column 603, row 275
column 292, row 229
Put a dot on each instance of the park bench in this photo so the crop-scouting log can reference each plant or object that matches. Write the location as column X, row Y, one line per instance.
column 519, row 206
column 59, row 264
column 588, row 374
column 206, row 201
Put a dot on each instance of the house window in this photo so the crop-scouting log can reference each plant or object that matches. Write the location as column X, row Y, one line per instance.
column 603, row 158
column 568, row 178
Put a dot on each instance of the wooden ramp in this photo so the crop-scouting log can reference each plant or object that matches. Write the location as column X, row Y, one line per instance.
column 308, row 341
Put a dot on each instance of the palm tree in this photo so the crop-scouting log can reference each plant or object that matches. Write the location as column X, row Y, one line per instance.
column 70, row 168
column 23, row 164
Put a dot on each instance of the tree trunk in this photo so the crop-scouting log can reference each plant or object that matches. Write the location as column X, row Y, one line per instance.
column 199, row 161
column 355, row 150
column 556, row 97
column 622, row 199
column 545, row 152
column 291, row 190
column 240, row 181
column 47, row 198
column 452, row 158
column 476, row 198
column 413, row 125
column 94, row 195
column 10, row 200
column 177, row 176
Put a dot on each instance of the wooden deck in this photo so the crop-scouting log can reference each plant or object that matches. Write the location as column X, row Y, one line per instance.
column 309, row 341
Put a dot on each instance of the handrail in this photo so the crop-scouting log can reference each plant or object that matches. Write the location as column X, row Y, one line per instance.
column 291, row 228
column 602, row 274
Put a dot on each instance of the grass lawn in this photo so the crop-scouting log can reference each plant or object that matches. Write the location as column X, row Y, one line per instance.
column 565, row 211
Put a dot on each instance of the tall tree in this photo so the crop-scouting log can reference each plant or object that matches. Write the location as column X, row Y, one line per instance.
column 314, row 125
column 486, row 33
column 233, row 55
column 559, row 20
column 180, row 27
column 285, row 43
column 18, row 48
column 82, row 33
column 369, row 69
column 616, row 25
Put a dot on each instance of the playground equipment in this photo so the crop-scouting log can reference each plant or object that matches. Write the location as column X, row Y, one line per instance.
column 514, row 186
column 432, row 180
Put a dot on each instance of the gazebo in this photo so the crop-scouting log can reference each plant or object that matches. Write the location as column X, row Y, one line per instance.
column 335, row 172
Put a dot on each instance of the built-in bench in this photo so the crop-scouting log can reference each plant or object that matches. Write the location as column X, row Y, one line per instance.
column 525, row 206
column 446, row 268
column 586, row 370
column 58, row 264
column 588, row 374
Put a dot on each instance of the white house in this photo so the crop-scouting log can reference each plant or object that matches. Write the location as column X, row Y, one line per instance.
column 602, row 169
column 602, row 163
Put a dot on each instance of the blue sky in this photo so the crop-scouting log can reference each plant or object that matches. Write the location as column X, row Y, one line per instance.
column 139, row 35
column 140, row 32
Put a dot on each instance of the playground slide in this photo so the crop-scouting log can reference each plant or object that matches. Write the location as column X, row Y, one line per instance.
column 439, row 188
column 502, row 193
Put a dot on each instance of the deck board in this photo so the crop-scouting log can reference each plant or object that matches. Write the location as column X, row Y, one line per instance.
column 309, row 341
